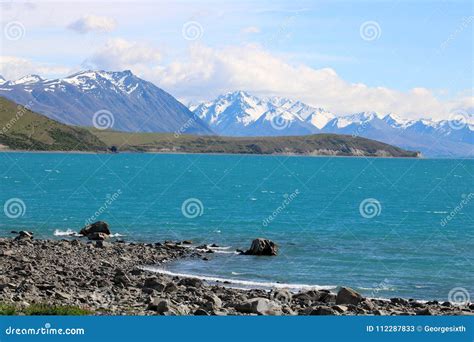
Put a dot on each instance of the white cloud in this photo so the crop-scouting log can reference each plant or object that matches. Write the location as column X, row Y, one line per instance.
column 251, row 29
column 122, row 54
column 205, row 73
column 208, row 72
column 93, row 23
column 13, row 68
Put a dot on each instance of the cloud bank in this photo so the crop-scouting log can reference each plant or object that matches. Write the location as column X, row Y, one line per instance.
column 207, row 72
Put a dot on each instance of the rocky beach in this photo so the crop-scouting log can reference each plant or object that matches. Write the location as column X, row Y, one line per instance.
column 107, row 278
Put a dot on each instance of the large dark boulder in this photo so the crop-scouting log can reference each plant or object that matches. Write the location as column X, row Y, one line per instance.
column 96, row 227
column 262, row 247
column 347, row 295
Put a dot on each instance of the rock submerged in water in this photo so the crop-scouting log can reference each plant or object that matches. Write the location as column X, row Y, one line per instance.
column 262, row 246
column 96, row 231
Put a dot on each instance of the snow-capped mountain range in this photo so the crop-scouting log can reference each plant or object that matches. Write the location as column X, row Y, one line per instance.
column 139, row 106
column 126, row 102
column 242, row 114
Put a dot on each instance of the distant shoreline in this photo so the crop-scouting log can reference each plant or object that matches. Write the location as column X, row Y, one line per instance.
column 221, row 154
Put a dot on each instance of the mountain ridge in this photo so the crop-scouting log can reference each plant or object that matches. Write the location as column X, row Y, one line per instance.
column 131, row 103
column 279, row 116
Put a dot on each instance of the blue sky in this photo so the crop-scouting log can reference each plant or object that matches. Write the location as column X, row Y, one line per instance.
column 419, row 62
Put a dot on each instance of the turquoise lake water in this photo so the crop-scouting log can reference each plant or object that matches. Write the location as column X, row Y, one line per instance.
column 398, row 243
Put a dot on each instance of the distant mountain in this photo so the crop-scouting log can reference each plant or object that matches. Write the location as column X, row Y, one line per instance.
column 22, row 129
column 241, row 114
column 121, row 100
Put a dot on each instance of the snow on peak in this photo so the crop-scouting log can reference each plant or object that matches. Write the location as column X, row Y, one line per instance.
column 244, row 108
column 122, row 81
column 29, row 79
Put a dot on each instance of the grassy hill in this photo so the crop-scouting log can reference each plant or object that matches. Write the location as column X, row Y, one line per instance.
column 22, row 129
column 318, row 144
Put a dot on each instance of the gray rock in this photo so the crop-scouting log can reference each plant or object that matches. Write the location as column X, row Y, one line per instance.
column 191, row 282
column 160, row 305
column 24, row 235
column 262, row 247
column 260, row 306
column 323, row 311
column 201, row 312
column 154, row 283
column 347, row 295
column 213, row 302
column 97, row 236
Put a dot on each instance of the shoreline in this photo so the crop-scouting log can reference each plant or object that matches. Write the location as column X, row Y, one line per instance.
column 423, row 157
column 109, row 278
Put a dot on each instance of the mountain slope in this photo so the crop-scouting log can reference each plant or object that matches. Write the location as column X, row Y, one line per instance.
column 22, row 129
column 128, row 102
column 279, row 117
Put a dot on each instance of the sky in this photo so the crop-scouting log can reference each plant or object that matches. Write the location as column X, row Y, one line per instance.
column 410, row 58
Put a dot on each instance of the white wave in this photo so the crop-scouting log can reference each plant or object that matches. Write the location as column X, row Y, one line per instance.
column 244, row 284
column 68, row 232
column 218, row 249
